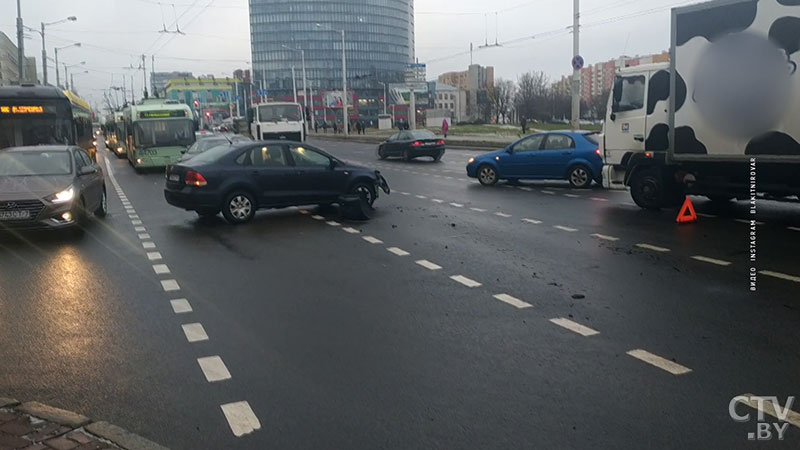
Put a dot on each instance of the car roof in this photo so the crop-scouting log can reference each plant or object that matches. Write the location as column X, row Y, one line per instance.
column 580, row 132
column 39, row 148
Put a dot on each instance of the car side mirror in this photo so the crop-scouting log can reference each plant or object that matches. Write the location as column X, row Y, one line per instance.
column 510, row 150
column 87, row 170
column 183, row 151
column 613, row 116
column 334, row 164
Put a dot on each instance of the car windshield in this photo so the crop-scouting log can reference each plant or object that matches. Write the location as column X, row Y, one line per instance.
column 35, row 163
column 212, row 154
column 278, row 113
column 163, row 133
column 422, row 134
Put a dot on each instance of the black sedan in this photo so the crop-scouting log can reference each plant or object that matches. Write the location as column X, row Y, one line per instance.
column 49, row 187
column 242, row 178
column 410, row 144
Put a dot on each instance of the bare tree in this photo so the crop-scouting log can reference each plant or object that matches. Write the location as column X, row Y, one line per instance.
column 500, row 97
column 532, row 96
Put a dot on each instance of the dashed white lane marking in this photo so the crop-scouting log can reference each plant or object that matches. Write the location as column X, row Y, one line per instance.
column 372, row 240
column 403, row 193
column 316, row 217
column 134, row 216
column 793, row 228
column 214, row 369
column 513, row 301
column 563, row 228
column 436, row 200
column 428, row 265
column 148, row 245
column 194, row 332
column 533, row 221
column 599, row 199
column 574, row 326
column 170, row 285
column 181, row 306
column 782, row 276
column 502, row 214
column 449, row 178
column 457, row 205
column 748, row 221
column 653, row 248
column 657, row 361
column 571, row 195
column 304, row 211
column 144, row 236
column 605, row 237
column 557, row 188
column 718, row 262
column 398, row 251
column 136, row 222
column 710, row 216
column 478, row 209
column 465, row 281
column 422, row 197
column 526, row 189
column 549, row 192
column 154, row 256
column 785, row 415
column 241, row 418
column 160, row 269
column 140, row 229
column 333, row 223
column 350, row 230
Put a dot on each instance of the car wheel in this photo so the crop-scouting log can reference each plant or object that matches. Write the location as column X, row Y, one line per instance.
column 647, row 188
column 438, row 157
column 487, row 175
column 102, row 210
column 365, row 191
column 580, row 177
column 381, row 154
column 239, row 207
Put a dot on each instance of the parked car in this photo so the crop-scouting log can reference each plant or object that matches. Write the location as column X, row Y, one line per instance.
column 557, row 155
column 53, row 186
column 242, row 178
column 202, row 145
column 410, row 144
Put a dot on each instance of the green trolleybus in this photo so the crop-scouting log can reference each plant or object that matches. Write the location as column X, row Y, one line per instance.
column 157, row 132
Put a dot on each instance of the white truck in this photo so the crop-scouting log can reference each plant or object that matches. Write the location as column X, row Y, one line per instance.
column 721, row 117
column 278, row 120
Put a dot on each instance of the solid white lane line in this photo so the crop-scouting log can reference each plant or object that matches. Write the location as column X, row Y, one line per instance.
column 574, row 326
column 160, row 269
column 181, row 306
column 502, row 214
column 372, row 240
column 513, row 301
column 241, row 418
column 478, row 209
column 747, row 221
column 653, row 248
column 170, row 285
column 793, row 228
column 549, row 192
column 533, row 221
column 351, row 230
column 563, row 228
column 785, row 415
column 194, row 332
column 457, row 205
column 657, row 361
column 599, row 199
column 214, row 369
column 316, row 217
column 398, row 251
column 571, row 195
column 153, row 256
column 782, row 276
column 421, row 197
column 140, row 229
column 465, row 281
column 148, row 245
column 605, row 237
column 436, row 200
column 144, row 236
column 428, row 265
column 710, row 216
column 136, row 222
column 718, row 262
column 333, row 223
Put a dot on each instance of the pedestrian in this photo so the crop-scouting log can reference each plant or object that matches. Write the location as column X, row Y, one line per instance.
column 524, row 122
column 363, row 127
column 325, row 127
column 445, row 127
column 358, row 127
column 406, row 126
column 316, row 127
column 335, row 127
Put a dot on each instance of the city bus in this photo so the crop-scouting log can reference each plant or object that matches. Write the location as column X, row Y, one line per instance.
column 157, row 132
column 82, row 123
column 115, row 132
column 36, row 115
column 278, row 120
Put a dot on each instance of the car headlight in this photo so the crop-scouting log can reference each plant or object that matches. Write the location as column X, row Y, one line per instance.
column 471, row 160
column 62, row 197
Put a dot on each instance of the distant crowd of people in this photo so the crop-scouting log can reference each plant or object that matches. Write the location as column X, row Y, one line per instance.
column 360, row 126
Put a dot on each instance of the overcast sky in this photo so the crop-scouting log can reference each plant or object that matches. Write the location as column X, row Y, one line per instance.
column 217, row 37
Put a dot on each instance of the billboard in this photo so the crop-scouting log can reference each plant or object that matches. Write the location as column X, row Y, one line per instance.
column 400, row 94
column 333, row 99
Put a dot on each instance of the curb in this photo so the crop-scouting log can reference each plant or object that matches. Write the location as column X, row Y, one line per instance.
column 77, row 423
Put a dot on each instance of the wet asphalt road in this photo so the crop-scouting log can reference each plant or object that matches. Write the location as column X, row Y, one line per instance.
column 356, row 335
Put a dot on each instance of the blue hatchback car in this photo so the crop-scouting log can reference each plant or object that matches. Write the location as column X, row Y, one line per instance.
column 556, row 155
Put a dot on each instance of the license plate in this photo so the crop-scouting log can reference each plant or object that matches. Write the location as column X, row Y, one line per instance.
column 175, row 178
column 15, row 215
column 430, row 143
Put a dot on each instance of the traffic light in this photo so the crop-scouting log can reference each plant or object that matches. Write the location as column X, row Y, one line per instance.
column 196, row 103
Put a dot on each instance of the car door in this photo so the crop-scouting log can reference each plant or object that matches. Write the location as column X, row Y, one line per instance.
column 522, row 158
column 271, row 171
column 316, row 176
column 390, row 144
column 555, row 156
column 625, row 130
column 91, row 183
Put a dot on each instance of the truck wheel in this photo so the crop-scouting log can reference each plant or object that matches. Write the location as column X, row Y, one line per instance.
column 647, row 188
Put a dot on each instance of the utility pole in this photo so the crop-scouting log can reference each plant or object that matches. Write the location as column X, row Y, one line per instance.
column 44, row 60
column 305, row 88
column 576, row 74
column 153, row 76
column 385, row 100
column 412, row 109
column 144, row 75
column 133, row 93
column 344, row 90
column 21, row 45
column 294, row 85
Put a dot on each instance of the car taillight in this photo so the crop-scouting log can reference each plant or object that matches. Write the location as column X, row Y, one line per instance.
column 194, row 179
column 440, row 142
column 416, row 144
column 597, row 150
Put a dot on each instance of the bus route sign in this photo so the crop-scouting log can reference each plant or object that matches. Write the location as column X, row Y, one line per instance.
column 161, row 114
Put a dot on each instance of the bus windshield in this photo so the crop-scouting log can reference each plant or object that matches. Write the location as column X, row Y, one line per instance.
column 277, row 113
column 18, row 132
column 163, row 133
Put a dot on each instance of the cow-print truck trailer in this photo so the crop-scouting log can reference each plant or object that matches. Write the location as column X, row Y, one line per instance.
column 736, row 105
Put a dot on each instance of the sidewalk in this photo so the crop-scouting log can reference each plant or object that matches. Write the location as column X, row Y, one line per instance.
column 34, row 426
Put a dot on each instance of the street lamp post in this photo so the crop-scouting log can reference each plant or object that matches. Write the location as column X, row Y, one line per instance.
column 72, row 81
column 44, row 49
column 21, row 45
column 294, row 85
column 58, row 80
column 344, row 84
column 66, row 72
column 305, row 82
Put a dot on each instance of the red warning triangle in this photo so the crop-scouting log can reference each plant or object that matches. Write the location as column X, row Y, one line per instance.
column 687, row 207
